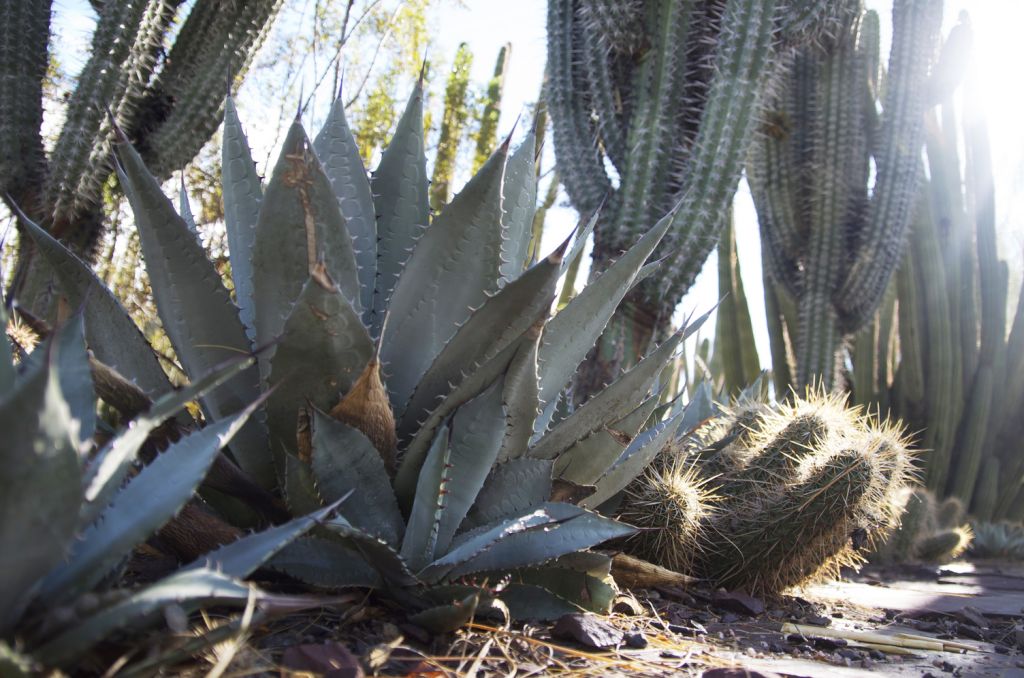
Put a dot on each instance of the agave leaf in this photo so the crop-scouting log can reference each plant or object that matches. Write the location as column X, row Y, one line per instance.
column 512, row 488
column 471, row 544
column 148, row 501
column 345, row 463
column 75, row 378
column 521, row 396
column 337, row 150
column 641, row 452
column 579, row 243
column 40, row 487
column 112, row 335
column 300, row 224
column 535, row 602
column 241, row 557
column 243, row 193
column 447, row 618
column 613, row 403
column 325, row 564
column 104, row 475
column 520, row 200
column 579, row 589
column 322, row 352
column 453, row 269
column 300, row 490
column 574, row 529
column 185, row 209
column 476, row 355
column 7, row 373
column 574, row 330
column 384, row 559
column 700, row 408
column 189, row 589
column 195, row 308
column 477, row 431
column 401, row 202
column 586, row 461
column 420, row 540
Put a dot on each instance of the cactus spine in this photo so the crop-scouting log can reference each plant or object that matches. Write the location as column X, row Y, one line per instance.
column 665, row 91
column 830, row 244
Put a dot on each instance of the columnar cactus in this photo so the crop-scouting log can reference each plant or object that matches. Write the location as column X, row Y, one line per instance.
column 832, row 244
column 667, row 93
column 170, row 111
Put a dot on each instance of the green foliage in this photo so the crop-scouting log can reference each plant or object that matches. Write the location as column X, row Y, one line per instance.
column 1002, row 539
column 666, row 92
column 834, row 232
column 437, row 420
column 456, row 113
column 487, row 136
column 769, row 497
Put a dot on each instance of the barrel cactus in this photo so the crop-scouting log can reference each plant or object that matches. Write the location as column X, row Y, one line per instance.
column 408, row 363
column 929, row 530
column 774, row 496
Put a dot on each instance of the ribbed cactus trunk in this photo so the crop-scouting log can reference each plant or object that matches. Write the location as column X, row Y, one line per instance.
column 666, row 92
column 831, row 243
column 169, row 112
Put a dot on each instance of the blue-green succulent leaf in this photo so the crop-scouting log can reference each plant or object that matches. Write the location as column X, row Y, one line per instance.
column 189, row 590
column 325, row 564
column 453, row 270
column 243, row 194
column 345, row 463
column 162, row 487
column 512, row 488
column 112, row 335
column 380, row 555
column 195, row 308
column 40, row 487
column 420, row 540
column 323, row 350
column 641, row 452
column 300, row 225
column 401, row 201
column 108, row 469
column 337, row 150
column 574, row 330
column 573, row 529
column 243, row 556
column 518, row 205
column 478, row 354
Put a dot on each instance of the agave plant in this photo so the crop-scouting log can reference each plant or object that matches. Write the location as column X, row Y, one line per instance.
column 71, row 515
column 412, row 362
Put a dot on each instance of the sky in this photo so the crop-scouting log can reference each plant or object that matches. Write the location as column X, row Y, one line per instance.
column 487, row 24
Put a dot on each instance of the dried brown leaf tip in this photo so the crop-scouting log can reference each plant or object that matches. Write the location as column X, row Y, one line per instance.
column 367, row 407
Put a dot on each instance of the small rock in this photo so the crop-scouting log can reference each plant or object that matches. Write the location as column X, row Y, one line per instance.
column 777, row 647
column 739, row 602
column 877, row 655
column 330, row 659
column 751, row 652
column 818, row 620
column 736, row 673
column 587, row 629
column 828, row 644
column 636, row 640
column 973, row 616
column 850, row 654
column 971, row 631
column 730, row 618
column 1002, row 649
